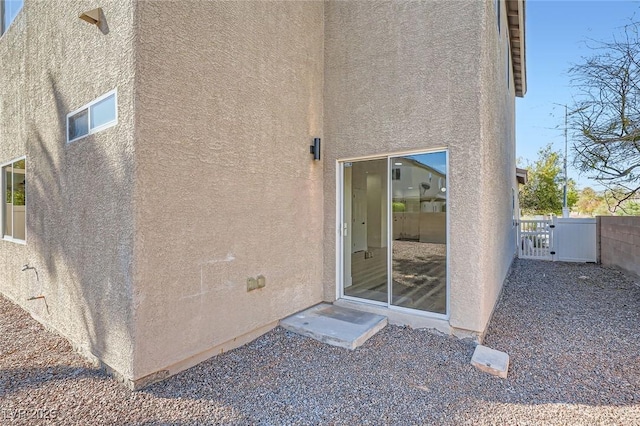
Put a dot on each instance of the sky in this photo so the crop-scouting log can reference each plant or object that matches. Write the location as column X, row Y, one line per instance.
column 435, row 160
column 557, row 37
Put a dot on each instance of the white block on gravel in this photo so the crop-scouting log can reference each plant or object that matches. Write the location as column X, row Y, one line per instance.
column 491, row 361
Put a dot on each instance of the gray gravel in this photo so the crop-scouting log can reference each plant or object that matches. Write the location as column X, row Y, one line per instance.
column 572, row 332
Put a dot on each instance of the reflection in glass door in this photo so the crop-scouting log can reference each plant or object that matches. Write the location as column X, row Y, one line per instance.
column 365, row 230
column 402, row 199
column 419, row 231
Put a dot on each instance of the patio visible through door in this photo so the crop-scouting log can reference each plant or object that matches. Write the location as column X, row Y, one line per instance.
column 394, row 230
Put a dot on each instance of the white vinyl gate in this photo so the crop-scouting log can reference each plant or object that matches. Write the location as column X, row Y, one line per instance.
column 558, row 239
column 535, row 239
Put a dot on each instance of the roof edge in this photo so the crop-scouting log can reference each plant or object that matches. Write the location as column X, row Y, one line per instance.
column 517, row 44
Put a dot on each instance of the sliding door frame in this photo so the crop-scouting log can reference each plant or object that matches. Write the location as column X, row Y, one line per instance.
column 340, row 249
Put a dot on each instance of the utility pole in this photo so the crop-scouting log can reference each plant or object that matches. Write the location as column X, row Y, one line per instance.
column 565, row 203
column 565, row 192
column 565, row 208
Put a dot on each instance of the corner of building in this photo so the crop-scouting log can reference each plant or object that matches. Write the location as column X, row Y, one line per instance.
column 71, row 271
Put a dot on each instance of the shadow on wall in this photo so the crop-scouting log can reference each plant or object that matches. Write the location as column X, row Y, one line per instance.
column 79, row 229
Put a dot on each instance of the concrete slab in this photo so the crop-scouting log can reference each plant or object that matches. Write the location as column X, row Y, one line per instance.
column 491, row 361
column 335, row 325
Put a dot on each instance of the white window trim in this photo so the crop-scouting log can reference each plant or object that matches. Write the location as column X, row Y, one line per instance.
column 514, row 205
column 2, row 204
column 87, row 107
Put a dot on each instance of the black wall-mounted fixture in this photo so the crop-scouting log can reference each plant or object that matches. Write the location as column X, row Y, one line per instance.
column 315, row 149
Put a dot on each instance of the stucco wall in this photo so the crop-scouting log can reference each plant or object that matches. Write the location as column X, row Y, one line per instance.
column 79, row 195
column 412, row 76
column 228, row 101
column 144, row 259
column 619, row 242
column 497, row 106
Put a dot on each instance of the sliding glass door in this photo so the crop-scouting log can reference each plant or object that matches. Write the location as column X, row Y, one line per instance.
column 419, row 229
column 365, row 230
column 394, row 224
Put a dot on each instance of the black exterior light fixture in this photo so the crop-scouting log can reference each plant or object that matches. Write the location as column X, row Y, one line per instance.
column 315, row 149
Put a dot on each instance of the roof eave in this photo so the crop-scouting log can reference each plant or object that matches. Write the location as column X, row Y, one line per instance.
column 516, row 20
column 522, row 176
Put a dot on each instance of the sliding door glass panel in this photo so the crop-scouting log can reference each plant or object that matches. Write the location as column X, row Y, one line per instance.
column 419, row 231
column 19, row 199
column 8, row 204
column 365, row 230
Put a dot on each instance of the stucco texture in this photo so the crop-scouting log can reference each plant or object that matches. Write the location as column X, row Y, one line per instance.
column 229, row 97
column 144, row 234
column 79, row 195
column 497, row 215
column 407, row 76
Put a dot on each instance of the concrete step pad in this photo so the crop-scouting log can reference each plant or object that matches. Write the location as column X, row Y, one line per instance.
column 335, row 325
column 491, row 361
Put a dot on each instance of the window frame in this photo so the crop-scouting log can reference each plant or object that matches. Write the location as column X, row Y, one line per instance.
column 88, row 108
column 4, row 29
column 3, row 204
column 514, row 219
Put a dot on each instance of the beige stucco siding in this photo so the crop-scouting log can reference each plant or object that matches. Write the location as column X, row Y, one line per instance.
column 145, row 233
column 228, row 101
column 410, row 76
column 79, row 195
column 497, row 99
column 402, row 77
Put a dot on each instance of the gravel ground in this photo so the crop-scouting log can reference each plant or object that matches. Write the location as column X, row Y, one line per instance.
column 572, row 332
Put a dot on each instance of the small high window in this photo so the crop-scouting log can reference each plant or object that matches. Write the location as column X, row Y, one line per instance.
column 14, row 200
column 8, row 11
column 93, row 117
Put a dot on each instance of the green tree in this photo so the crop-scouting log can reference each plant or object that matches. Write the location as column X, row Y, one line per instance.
column 589, row 202
column 543, row 192
column 605, row 203
column 630, row 208
column 619, row 205
column 572, row 193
